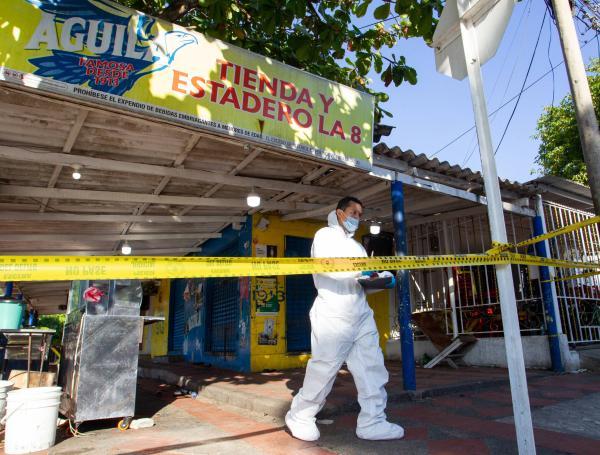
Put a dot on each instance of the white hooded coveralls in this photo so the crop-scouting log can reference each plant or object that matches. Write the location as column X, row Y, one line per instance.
column 342, row 330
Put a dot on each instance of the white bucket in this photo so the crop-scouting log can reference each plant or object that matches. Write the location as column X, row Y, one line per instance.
column 31, row 419
column 5, row 386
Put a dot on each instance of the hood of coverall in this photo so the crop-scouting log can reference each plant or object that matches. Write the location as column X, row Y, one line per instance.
column 332, row 221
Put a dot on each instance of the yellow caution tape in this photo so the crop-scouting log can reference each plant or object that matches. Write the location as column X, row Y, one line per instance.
column 58, row 268
column 500, row 247
column 573, row 277
column 526, row 259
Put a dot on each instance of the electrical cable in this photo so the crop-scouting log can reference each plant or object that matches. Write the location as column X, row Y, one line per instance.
column 473, row 144
column 391, row 18
column 460, row 136
column 524, row 82
column 497, row 109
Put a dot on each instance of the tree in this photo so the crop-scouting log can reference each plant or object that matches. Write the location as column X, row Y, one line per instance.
column 55, row 322
column 319, row 36
column 560, row 150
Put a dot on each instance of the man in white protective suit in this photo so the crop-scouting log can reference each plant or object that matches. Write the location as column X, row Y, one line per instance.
column 342, row 330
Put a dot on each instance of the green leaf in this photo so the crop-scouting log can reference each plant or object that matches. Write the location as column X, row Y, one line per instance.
column 398, row 75
column 378, row 62
column 303, row 52
column 361, row 9
column 410, row 75
column 387, row 76
column 402, row 6
column 426, row 23
column 363, row 65
column 382, row 12
column 383, row 97
column 387, row 113
column 339, row 54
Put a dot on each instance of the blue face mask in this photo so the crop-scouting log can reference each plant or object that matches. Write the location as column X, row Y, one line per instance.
column 351, row 224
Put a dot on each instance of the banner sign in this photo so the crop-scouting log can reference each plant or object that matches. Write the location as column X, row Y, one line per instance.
column 101, row 51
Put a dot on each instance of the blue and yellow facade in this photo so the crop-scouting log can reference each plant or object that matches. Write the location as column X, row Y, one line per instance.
column 242, row 323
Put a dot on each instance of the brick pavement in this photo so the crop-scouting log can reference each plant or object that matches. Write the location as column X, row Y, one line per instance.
column 272, row 392
column 467, row 422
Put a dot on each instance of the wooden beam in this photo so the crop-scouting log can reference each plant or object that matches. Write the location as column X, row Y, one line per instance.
column 435, row 204
column 449, row 215
column 316, row 213
column 108, row 237
column 245, row 162
column 562, row 193
column 400, row 166
column 241, row 165
column 135, row 252
column 80, row 217
column 189, row 146
column 64, row 159
column 113, row 196
column 71, row 138
column 446, row 190
column 308, row 178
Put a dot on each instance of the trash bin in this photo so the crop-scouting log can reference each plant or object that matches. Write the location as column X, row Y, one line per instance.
column 11, row 313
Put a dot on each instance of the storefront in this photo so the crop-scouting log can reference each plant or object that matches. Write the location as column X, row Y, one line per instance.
column 253, row 324
column 149, row 164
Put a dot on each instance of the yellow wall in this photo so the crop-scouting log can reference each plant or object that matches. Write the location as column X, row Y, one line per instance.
column 275, row 356
column 159, row 306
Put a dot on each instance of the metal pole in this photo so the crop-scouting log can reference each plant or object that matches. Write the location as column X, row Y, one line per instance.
column 403, row 290
column 9, row 289
column 540, row 249
column 448, row 250
column 587, row 123
column 508, row 304
column 28, row 359
column 539, row 206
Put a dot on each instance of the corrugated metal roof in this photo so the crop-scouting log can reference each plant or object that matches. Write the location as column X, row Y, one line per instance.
column 422, row 161
column 563, row 184
column 563, row 191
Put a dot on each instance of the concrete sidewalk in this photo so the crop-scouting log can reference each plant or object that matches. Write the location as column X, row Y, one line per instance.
column 565, row 408
column 271, row 393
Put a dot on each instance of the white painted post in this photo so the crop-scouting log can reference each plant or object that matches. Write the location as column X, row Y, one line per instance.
column 450, row 281
column 508, row 304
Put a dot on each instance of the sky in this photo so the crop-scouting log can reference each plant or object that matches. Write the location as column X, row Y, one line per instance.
column 437, row 110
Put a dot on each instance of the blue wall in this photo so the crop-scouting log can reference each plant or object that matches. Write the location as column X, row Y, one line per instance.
column 192, row 296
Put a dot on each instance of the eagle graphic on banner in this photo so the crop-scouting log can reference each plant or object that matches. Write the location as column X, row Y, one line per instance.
column 101, row 44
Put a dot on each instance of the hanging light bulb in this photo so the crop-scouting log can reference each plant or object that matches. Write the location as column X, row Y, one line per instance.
column 126, row 249
column 375, row 228
column 76, row 174
column 253, row 199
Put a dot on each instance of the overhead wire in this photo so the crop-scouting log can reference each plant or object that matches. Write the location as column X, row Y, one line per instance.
column 460, row 136
column 525, row 14
column 522, row 86
column 391, row 18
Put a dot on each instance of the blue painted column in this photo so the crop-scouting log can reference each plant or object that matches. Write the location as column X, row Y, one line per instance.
column 547, row 295
column 9, row 289
column 403, row 290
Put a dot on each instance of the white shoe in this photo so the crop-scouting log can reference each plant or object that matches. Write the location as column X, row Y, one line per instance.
column 381, row 431
column 302, row 430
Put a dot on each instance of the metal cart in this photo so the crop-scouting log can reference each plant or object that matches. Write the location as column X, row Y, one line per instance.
column 98, row 371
